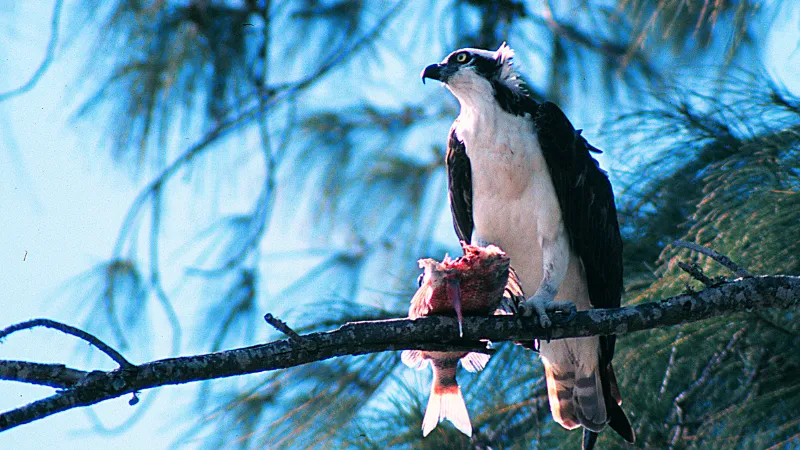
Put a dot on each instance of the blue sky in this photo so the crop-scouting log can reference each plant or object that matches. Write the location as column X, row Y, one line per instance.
column 61, row 205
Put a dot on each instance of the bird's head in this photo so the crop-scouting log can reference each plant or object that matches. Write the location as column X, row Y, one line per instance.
column 471, row 73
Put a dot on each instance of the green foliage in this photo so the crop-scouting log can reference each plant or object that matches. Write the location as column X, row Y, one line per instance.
column 733, row 186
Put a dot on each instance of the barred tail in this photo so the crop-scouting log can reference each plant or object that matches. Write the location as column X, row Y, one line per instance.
column 588, row 394
column 576, row 399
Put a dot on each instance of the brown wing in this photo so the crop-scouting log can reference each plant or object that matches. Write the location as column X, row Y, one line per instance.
column 459, row 183
column 587, row 205
column 590, row 216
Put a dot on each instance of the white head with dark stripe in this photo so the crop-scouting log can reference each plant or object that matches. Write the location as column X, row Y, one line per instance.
column 474, row 75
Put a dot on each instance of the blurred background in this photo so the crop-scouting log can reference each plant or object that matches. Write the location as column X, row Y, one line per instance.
column 170, row 171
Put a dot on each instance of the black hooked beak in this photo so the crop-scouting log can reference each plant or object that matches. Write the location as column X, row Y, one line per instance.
column 434, row 72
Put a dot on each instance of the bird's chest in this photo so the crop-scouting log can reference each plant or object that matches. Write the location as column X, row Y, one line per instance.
column 513, row 199
column 504, row 155
column 509, row 175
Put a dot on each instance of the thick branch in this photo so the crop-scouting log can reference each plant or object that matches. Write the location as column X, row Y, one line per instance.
column 398, row 334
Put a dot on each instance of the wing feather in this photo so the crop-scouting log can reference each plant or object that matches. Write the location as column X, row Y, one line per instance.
column 587, row 205
column 459, row 183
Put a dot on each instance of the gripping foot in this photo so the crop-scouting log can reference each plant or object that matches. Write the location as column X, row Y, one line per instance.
column 543, row 305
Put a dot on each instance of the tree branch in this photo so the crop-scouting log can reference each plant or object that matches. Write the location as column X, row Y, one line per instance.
column 430, row 333
column 67, row 329
column 720, row 258
column 49, row 54
column 53, row 375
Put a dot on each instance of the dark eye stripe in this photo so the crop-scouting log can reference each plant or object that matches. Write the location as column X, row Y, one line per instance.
column 486, row 66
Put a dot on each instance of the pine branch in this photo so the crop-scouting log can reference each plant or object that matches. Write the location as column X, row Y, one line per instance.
column 720, row 258
column 67, row 329
column 430, row 333
column 49, row 55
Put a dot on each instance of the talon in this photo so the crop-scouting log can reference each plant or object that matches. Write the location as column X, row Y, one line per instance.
column 542, row 304
column 558, row 315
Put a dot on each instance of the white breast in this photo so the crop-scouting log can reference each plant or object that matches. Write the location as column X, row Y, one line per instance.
column 514, row 201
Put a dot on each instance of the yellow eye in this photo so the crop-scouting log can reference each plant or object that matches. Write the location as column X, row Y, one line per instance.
column 462, row 57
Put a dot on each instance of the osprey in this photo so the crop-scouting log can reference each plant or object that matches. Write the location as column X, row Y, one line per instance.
column 521, row 178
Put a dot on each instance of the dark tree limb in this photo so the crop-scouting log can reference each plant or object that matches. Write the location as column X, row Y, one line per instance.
column 429, row 333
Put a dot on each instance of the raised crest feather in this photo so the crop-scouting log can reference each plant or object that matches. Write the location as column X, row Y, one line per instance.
column 507, row 75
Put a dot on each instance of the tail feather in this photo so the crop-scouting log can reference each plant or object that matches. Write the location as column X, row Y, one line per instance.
column 446, row 402
column 559, row 392
column 617, row 419
column 591, row 401
column 589, row 439
column 588, row 394
column 576, row 400
column 618, row 422
column 613, row 387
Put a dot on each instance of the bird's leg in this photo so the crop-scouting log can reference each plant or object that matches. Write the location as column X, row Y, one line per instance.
column 555, row 258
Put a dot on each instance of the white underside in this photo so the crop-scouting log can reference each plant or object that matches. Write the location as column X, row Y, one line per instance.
column 516, row 208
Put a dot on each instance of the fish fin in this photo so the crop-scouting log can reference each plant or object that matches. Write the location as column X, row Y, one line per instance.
column 474, row 361
column 446, row 403
column 421, row 302
column 414, row 359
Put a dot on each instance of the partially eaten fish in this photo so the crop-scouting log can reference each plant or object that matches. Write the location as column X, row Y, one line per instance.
column 472, row 284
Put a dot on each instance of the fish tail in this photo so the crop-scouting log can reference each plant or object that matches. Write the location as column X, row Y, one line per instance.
column 446, row 402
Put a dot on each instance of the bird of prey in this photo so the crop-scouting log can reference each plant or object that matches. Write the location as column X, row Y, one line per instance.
column 472, row 284
column 522, row 178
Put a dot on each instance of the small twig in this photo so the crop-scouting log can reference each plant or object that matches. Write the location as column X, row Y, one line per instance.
column 681, row 398
column 697, row 273
column 722, row 259
column 776, row 326
column 67, row 329
column 670, row 363
column 281, row 326
column 49, row 54
column 713, row 363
